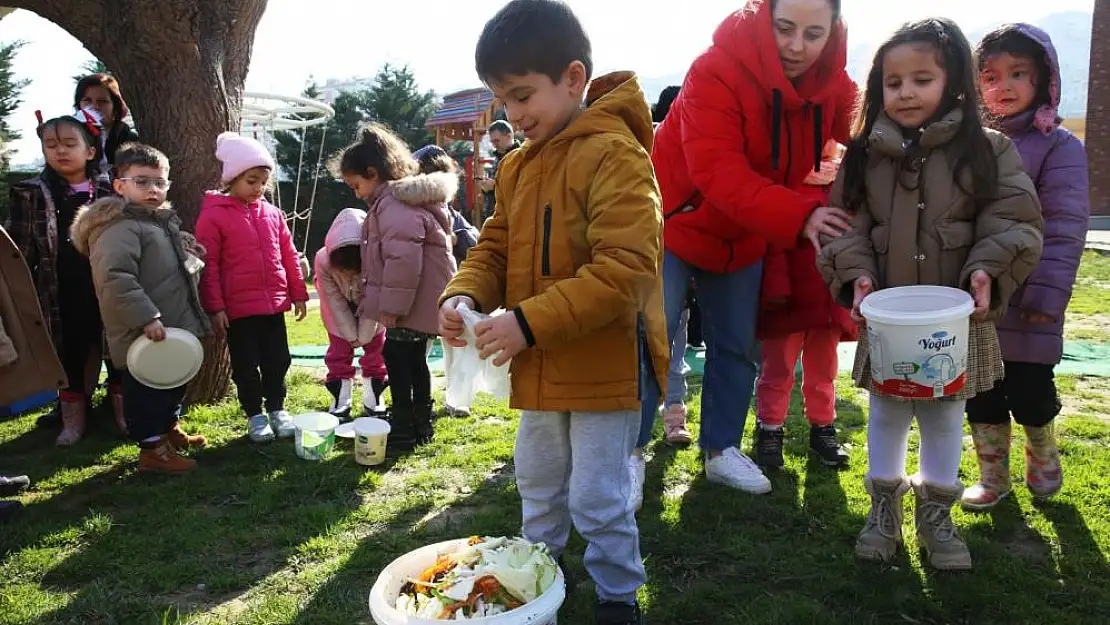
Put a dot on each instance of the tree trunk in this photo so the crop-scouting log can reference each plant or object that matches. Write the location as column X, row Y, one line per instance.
column 181, row 65
column 1098, row 110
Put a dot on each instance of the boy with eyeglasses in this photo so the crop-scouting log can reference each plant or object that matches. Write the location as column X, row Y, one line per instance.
column 144, row 269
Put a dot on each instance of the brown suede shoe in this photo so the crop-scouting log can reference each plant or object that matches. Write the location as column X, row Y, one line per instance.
column 183, row 440
column 165, row 459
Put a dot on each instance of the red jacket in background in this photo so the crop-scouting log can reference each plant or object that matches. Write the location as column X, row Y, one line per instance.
column 794, row 297
column 741, row 137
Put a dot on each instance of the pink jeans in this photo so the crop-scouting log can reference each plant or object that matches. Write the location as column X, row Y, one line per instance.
column 341, row 355
column 776, row 377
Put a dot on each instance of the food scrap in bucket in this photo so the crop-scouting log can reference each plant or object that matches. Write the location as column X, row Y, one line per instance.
column 490, row 577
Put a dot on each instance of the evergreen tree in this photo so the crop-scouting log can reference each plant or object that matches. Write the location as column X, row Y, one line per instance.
column 10, row 89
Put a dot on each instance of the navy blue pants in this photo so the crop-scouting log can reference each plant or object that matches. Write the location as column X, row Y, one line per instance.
column 149, row 412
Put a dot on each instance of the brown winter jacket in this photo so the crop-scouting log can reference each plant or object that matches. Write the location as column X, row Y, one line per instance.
column 139, row 265
column 28, row 364
column 575, row 246
column 922, row 228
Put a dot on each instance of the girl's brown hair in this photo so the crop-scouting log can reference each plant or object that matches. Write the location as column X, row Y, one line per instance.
column 378, row 148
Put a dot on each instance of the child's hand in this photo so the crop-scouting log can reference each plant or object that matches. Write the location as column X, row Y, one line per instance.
column 220, row 323
column 389, row 321
column 300, row 309
column 862, row 289
column 355, row 343
column 500, row 335
column 451, row 324
column 155, row 331
column 1032, row 316
column 981, row 293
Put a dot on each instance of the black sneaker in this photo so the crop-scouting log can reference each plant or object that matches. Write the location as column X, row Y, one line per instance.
column 612, row 613
column 10, row 486
column 823, row 443
column 9, row 510
column 768, row 447
column 341, row 398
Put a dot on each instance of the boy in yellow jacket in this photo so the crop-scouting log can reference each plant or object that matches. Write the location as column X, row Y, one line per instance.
column 573, row 252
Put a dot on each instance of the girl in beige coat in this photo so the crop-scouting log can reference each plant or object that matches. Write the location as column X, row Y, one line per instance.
column 936, row 200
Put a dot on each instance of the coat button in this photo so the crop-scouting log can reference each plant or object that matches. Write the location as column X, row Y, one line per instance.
column 919, row 257
column 921, row 206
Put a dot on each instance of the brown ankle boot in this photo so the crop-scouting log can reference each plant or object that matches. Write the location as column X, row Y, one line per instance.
column 183, row 440
column 73, row 422
column 935, row 532
column 164, row 459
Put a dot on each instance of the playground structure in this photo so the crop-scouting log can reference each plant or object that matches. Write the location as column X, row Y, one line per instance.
column 465, row 116
column 265, row 114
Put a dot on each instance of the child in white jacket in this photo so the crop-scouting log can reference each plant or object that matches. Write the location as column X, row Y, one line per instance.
column 339, row 285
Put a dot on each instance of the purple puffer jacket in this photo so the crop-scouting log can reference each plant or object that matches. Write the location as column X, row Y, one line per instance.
column 1057, row 163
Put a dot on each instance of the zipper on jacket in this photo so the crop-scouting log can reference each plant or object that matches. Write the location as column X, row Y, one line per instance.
column 545, row 258
column 789, row 155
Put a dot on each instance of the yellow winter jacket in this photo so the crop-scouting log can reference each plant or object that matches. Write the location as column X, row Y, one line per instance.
column 575, row 245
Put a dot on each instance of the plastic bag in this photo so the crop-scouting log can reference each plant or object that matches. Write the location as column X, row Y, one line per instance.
column 467, row 373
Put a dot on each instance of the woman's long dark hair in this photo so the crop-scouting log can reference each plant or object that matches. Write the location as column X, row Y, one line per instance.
column 970, row 147
column 58, row 186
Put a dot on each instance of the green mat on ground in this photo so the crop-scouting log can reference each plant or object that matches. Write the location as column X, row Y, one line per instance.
column 1080, row 358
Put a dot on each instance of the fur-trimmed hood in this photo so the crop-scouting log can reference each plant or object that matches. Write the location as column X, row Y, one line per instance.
column 91, row 221
column 431, row 192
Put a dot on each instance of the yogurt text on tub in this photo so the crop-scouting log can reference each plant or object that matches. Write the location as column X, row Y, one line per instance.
column 938, row 341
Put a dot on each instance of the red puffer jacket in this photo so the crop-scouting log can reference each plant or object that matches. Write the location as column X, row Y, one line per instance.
column 740, row 139
column 794, row 297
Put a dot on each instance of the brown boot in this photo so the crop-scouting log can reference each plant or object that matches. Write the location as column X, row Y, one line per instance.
column 115, row 395
column 935, row 533
column 73, row 421
column 183, row 440
column 992, row 447
column 163, row 458
column 882, row 536
column 674, row 424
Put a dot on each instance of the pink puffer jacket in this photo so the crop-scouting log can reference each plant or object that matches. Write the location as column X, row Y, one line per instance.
column 252, row 268
column 340, row 291
column 406, row 252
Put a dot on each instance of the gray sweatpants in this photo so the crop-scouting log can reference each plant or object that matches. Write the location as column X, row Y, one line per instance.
column 573, row 467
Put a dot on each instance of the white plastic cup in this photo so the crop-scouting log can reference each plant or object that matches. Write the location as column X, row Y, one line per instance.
column 370, row 440
column 315, row 435
column 383, row 596
column 918, row 340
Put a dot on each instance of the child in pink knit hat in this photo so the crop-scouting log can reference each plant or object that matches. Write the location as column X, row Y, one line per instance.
column 252, row 277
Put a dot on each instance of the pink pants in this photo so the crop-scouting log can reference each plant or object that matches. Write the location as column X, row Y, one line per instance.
column 776, row 377
column 341, row 355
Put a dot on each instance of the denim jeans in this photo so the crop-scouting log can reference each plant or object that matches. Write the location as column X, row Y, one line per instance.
column 729, row 304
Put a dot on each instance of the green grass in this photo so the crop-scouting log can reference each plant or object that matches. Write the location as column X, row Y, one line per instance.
column 260, row 537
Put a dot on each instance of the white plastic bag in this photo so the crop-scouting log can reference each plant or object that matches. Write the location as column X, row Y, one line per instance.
column 467, row 373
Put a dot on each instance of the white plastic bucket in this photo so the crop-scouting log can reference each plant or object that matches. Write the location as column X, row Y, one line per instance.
column 917, row 337
column 383, row 596
column 370, row 439
column 315, row 435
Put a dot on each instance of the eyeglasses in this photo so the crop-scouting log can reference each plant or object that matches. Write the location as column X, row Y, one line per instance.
column 146, row 184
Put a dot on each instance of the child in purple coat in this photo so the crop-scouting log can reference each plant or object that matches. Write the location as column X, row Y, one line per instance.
column 1019, row 81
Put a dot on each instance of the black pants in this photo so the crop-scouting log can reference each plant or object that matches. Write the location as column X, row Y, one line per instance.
column 149, row 411
column 410, row 380
column 82, row 338
column 259, row 350
column 1028, row 392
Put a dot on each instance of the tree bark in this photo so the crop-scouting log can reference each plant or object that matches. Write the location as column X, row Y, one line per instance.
column 1098, row 110
column 182, row 65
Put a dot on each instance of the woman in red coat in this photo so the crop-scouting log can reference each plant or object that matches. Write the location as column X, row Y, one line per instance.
column 746, row 130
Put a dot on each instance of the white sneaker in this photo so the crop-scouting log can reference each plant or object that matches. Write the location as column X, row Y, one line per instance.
column 637, row 467
column 734, row 469
column 282, row 423
column 258, row 428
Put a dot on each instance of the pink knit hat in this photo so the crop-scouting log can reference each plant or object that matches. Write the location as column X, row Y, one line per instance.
column 239, row 154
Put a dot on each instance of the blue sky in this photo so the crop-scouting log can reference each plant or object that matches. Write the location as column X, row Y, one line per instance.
column 348, row 38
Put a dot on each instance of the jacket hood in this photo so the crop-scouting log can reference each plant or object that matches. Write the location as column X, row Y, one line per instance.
column 91, row 220
column 748, row 36
column 431, row 192
column 345, row 230
column 614, row 103
column 1045, row 118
